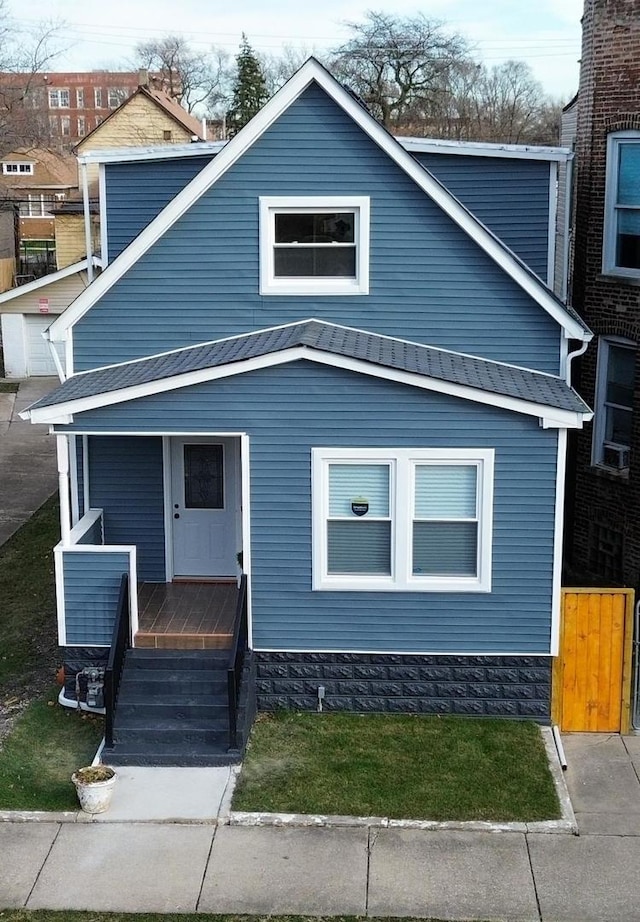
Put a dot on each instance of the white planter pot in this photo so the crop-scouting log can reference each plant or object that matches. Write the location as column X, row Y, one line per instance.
column 94, row 796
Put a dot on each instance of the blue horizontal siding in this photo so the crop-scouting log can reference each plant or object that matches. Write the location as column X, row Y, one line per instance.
column 137, row 192
column 510, row 196
column 288, row 410
column 91, row 590
column 428, row 280
column 125, row 478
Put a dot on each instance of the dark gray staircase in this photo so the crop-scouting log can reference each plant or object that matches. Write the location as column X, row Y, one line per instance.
column 172, row 709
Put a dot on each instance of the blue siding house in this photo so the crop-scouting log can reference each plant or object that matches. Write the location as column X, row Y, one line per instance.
column 316, row 411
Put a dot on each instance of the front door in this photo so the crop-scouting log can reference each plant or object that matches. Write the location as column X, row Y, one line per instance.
column 205, row 506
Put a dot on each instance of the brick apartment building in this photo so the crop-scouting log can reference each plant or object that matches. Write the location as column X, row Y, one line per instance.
column 70, row 105
column 603, row 515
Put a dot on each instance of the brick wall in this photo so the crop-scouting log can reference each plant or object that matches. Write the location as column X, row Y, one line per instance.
column 604, row 507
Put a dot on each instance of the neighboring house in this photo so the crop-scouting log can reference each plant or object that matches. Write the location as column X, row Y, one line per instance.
column 26, row 312
column 69, row 105
column 603, row 539
column 38, row 182
column 310, row 361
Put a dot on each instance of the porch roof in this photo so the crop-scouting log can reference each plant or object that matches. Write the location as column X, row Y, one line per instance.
column 316, row 337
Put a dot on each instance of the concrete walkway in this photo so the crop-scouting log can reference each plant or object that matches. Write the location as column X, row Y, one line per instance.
column 127, row 864
column 28, row 473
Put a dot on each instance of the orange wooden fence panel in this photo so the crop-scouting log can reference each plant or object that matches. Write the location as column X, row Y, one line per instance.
column 592, row 674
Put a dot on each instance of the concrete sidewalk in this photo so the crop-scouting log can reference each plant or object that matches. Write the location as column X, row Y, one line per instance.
column 453, row 875
column 28, row 473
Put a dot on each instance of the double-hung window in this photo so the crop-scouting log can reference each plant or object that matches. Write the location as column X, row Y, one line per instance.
column 314, row 245
column 621, row 249
column 404, row 520
column 614, row 404
column 58, row 99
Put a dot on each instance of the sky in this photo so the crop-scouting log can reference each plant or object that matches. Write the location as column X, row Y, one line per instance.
column 545, row 34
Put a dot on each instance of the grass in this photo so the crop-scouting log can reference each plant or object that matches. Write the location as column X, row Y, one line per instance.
column 8, row 387
column 46, row 745
column 27, row 612
column 401, row 766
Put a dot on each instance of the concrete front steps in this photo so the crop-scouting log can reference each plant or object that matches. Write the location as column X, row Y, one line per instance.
column 172, row 710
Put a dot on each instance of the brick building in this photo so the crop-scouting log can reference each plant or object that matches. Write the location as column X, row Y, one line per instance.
column 603, row 534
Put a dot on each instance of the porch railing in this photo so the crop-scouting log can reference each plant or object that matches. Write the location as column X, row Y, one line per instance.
column 236, row 660
column 115, row 663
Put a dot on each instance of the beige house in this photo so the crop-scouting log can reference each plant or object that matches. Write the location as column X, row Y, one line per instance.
column 26, row 312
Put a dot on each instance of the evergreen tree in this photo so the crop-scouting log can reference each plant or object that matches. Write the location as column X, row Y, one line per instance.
column 249, row 89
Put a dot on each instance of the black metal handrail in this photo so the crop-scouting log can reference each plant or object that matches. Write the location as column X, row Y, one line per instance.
column 236, row 660
column 115, row 663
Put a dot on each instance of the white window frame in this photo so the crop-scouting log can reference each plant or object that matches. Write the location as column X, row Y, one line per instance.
column 82, row 129
column 80, row 98
column 116, row 95
column 17, row 167
column 599, row 441
column 59, row 98
column 323, row 285
column 65, row 126
column 609, row 244
column 402, row 463
column 97, row 97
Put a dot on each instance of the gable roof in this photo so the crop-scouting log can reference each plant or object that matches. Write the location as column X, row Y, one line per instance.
column 511, row 387
column 310, row 72
column 53, row 169
column 161, row 99
column 46, row 280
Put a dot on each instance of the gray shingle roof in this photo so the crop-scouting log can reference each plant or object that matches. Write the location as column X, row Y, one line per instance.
column 477, row 373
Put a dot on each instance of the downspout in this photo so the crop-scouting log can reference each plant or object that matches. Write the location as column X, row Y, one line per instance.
column 54, row 356
column 87, row 219
column 566, row 371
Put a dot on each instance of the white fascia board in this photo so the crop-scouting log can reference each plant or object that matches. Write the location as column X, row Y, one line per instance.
column 44, row 281
column 236, row 147
column 62, row 413
column 483, row 149
column 161, row 152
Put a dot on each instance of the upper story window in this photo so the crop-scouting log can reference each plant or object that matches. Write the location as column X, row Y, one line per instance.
column 117, row 96
column 403, row 520
column 97, row 97
column 58, row 99
column 614, row 404
column 621, row 249
column 80, row 98
column 37, row 205
column 65, row 125
column 314, row 245
column 13, row 169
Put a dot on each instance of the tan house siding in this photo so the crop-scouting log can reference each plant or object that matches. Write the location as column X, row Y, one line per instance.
column 70, row 239
column 60, row 294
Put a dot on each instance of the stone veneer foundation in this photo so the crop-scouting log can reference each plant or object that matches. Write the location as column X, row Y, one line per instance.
column 486, row 686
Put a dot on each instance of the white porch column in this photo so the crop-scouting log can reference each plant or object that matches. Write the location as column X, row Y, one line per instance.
column 62, row 451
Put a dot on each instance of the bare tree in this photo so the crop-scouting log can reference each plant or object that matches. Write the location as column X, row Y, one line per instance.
column 190, row 77
column 277, row 68
column 24, row 55
column 400, row 67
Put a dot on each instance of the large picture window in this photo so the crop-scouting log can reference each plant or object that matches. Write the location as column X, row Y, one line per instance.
column 314, row 245
column 402, row 519
column 621, row 250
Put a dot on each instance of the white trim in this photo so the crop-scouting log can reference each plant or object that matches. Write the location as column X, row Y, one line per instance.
column 567, row 229
column 68, row 349
column 312, row 71
column 245, row 500
column 102, row 206
column 44, row 281
column 558, row 534
column 402, row 462
column 600, row 395
column 73, row 477
column 552, row 225
column 87, row 220
column 161, row 152
column 270, row 206
column 81, row 527
column 484, row 149
column 62, row 455
column 58, row 562
column 85, row 474
column 610, row 231
column 551, row 415
column 410, row 652
column 168, row 517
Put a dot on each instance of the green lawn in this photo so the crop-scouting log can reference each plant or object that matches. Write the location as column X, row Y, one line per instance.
column 46, row 745
column 27, row 611
column 47, row 915
column 401, row 766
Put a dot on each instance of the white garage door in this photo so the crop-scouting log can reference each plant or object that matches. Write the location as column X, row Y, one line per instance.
column 39, row 361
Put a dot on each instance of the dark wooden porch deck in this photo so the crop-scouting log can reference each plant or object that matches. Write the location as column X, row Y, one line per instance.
column 186, row 616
